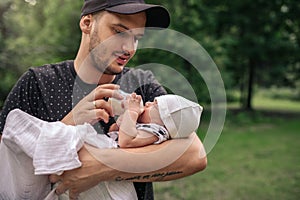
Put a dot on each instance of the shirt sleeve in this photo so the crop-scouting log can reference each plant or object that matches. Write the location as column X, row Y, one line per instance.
column 24, row 95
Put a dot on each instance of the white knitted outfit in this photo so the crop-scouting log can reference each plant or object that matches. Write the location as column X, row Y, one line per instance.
column 31, row 149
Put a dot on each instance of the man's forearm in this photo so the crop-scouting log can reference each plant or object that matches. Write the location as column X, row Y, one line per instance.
column 170, row 160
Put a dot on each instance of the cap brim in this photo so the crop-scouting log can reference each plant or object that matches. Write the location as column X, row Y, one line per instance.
column 157, row 16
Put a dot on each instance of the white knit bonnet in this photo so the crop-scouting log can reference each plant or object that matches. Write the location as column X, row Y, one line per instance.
column 180, row 116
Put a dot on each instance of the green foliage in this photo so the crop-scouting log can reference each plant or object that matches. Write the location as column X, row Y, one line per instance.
column 33, row 33
column 280, row 93
column 257, row 39
column 45, row 32
column 8, row 78
column 252, row 42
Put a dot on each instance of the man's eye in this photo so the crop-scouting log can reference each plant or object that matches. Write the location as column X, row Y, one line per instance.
column 121, row 33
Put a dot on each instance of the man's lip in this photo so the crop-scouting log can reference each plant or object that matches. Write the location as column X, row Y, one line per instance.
column 122, row 59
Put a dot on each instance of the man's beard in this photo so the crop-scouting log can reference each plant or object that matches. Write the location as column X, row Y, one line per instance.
column 97, row 48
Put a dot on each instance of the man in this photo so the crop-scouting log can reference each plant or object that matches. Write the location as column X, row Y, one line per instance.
column 65, row 92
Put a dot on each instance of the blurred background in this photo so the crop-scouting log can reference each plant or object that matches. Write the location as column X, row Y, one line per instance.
column 255, row 45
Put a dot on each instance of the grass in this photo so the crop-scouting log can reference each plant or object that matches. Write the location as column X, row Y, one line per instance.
column 276, row 104
column 279, row 99
column 257, row 157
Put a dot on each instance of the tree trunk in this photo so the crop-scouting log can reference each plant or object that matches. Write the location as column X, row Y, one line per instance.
column 251, row 74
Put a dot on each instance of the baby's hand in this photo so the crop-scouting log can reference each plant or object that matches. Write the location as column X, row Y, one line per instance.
column 133, row 103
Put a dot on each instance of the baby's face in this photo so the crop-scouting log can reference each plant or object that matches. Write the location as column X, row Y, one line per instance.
column 150, row 114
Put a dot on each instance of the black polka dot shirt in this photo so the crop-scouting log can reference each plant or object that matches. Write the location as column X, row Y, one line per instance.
column 49, row 92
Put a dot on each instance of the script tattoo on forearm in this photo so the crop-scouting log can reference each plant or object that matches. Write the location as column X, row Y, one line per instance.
column 158, row 176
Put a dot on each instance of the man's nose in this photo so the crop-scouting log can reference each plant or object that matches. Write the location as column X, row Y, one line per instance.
column 129, row 45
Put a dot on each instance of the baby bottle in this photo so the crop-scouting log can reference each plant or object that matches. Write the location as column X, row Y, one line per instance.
column 116, row 104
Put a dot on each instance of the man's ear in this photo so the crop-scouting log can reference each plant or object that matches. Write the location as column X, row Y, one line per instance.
column 86, row 23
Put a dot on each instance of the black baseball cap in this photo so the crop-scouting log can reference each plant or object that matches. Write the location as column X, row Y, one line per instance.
column 157, row 16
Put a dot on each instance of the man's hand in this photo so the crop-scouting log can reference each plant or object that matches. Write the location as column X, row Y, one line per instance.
column 80, row 179
column 93, row 107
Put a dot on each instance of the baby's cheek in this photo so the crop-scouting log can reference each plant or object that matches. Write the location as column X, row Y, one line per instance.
column 154, row 116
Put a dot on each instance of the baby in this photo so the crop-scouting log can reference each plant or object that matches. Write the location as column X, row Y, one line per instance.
column 168, row 116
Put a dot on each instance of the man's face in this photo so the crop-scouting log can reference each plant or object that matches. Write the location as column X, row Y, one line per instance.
column 114, row 39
